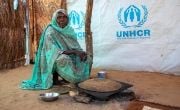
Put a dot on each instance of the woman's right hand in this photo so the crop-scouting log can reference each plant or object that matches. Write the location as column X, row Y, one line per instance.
column 81, row 54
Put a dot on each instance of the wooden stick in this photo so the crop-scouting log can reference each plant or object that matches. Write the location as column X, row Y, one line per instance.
column 63, row 4
column 88, row 33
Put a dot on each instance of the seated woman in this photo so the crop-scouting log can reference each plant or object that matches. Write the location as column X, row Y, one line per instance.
column 58, row 52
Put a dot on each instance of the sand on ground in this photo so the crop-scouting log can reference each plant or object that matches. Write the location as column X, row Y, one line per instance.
column 151, row 87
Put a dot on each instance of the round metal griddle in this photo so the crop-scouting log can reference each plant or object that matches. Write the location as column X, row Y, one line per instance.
column 98, row 93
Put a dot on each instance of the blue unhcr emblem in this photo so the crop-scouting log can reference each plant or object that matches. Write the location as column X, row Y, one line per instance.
column 76, row 19
column 132, row 16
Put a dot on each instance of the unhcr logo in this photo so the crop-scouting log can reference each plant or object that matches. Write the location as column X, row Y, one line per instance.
column 133, row 17
column 77, row 21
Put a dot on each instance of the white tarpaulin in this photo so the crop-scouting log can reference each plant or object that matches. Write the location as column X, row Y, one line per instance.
column 133, row 35
column 76, row 12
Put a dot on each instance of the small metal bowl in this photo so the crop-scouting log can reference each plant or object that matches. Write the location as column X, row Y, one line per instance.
column 49, row 97
column 101, row 74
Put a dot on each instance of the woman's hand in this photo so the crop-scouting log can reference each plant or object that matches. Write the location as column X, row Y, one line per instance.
column 81, row 54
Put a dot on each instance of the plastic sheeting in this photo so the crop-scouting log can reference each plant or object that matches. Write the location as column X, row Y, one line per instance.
column 76, row 12
column 133, row 35
column 15, row 4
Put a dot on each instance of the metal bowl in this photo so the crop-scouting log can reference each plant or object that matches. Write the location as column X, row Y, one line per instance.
column 101, row 74
column 48, row 97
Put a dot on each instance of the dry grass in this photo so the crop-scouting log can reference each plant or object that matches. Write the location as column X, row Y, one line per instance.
column 11, row 35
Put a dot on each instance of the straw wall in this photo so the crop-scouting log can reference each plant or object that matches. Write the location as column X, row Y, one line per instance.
column 12, row 35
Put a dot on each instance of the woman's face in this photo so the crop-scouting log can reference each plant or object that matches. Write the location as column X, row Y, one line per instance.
column 62, row 20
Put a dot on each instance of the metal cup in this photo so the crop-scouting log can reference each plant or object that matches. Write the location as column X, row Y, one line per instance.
column 101, row 74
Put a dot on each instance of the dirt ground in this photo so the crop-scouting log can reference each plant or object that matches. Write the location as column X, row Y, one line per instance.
column 149, row 87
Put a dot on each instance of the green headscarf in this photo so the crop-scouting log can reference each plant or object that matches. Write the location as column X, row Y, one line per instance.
column 67, row 30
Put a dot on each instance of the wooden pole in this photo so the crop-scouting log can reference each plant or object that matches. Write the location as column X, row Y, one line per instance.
column 63, row 4
column 88, row 33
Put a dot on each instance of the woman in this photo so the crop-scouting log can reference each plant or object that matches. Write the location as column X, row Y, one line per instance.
column 58, row 52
